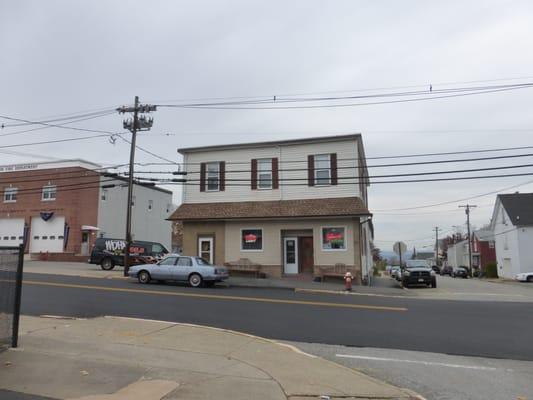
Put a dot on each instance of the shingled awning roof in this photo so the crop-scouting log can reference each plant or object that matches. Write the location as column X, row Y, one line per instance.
column 343, row 206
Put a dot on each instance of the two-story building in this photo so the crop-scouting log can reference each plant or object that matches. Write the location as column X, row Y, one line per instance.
column 512, row 226
column 483, row 249
column 290, row 206
column 60, row 208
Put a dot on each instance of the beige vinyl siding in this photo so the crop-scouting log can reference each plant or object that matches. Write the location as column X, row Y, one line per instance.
column 244, row 192
column 344, row 149
column 272, row 245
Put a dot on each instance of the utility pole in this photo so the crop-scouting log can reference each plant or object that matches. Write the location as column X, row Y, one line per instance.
column 467, row 208
column 436, row 229
column 133, row 125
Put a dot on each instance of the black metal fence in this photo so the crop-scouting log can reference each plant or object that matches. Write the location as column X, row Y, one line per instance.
column 11, row 264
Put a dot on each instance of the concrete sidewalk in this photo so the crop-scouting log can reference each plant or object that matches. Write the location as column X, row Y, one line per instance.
column 112, row 358
column 87, row 270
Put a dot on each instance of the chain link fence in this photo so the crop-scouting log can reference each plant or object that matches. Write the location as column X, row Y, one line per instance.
column 11, row 262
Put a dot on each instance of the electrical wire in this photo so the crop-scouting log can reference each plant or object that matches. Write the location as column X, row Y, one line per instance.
column 248, row 106
column 56, row 125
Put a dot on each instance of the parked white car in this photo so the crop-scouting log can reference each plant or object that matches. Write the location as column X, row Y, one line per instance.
column 524, row 277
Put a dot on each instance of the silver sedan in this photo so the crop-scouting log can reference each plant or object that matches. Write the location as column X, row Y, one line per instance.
column 174, row 267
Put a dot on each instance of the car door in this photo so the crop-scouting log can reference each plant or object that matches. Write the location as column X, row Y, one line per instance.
column 164, row 269
column 183, row 268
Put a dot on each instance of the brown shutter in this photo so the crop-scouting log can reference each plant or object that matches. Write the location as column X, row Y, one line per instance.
column 222, row 175
column 202, row 177
column 311, row 170
column 275, row 174
column 333, row 166
column 253, row 178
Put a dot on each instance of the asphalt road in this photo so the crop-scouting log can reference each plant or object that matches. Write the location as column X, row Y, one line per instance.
column 488, row 329
column 435, row 376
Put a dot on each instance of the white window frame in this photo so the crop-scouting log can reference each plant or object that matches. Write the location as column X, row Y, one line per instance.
column 264, row 172
column 252, row 250
column 103, row 196
column 47, row 191
column 10, row 191
column 150, row 205
column 334, row 227
column 322, row 169
column 207, row 172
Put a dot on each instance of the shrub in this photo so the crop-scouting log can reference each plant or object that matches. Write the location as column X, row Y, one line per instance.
column 491, row 270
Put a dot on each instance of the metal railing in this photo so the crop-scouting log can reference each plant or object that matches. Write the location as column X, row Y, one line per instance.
column 11, row 265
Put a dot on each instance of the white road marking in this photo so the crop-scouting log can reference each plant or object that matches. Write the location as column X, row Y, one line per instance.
column 476, row 367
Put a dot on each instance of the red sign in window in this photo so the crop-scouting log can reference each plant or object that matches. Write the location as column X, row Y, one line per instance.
column 250, row 238
column 330, row 236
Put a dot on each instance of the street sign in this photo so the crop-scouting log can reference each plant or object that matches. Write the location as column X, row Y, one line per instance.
column 399, row 248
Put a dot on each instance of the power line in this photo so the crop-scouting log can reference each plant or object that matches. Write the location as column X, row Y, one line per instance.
column 57, row 125
column 247, row 106
column 366, row 178
column 53, row 141
column 171, row 182
column 270, row 96
column 72, row 117
column 457, row 200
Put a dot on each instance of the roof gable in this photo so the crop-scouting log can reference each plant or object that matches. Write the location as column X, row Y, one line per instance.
column 519, row 207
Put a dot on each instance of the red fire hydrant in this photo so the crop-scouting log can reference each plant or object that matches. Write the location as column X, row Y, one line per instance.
column 348, row 281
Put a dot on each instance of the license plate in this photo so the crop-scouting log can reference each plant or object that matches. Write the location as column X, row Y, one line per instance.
column 420, row 280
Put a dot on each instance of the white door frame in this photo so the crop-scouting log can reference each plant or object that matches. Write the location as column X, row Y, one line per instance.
column 211, row 249
column 290, row 268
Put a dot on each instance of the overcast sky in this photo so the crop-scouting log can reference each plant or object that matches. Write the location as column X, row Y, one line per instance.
column 61, row 57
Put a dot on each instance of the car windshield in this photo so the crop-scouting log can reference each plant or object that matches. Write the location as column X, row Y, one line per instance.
column 201, row 261
column 416, row 264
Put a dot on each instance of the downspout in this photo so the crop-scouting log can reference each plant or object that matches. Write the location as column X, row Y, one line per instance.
column 361, row 244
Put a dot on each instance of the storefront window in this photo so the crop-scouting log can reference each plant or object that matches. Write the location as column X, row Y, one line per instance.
column 333, row 239
column 252, row 239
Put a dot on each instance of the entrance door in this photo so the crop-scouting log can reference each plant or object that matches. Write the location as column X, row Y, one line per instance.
column 306, row 255
column 290, row 259
column 205, row 249
column 84, row 251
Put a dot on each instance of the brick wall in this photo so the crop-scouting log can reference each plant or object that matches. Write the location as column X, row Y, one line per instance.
column 76, row 199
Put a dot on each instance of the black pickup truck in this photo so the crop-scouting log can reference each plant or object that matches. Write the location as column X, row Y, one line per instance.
column 418, row 272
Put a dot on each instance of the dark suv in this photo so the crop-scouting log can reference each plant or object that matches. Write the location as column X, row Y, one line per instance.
column 418, row 272
column 110, row 252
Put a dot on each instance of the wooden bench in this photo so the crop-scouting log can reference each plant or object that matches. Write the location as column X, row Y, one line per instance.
column 334, row 271
column 244, row 265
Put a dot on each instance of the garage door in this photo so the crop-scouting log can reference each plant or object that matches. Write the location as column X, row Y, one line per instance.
column 47, row 236
column 11, row 231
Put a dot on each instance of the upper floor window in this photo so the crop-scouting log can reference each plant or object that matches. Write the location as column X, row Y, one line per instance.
column 10, row 195
column 150, row 205
column 322, row 169
column 133, row 200
column 104, row 195
column 213, row 177
column 49, row 193
column 264, row 173
column 491, row 244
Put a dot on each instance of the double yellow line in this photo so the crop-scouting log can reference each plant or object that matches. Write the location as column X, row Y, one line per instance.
column 218, row 297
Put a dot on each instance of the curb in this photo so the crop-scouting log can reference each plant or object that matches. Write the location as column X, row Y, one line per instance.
column 412, row 395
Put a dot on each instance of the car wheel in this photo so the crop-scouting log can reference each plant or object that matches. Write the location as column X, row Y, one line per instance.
column 529, row 278
column 144, row 277
column 195, row 280
column 107, row 264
